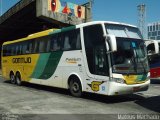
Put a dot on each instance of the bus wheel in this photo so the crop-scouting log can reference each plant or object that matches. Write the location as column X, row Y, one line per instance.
column 18, row 79
column 12, row 78
column 75, row 88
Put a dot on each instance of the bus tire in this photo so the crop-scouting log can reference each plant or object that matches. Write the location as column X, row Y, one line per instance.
column 75, row 87
column 12, row 78
column 18, row 79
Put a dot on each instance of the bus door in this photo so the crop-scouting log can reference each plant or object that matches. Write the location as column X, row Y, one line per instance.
column 96, row 57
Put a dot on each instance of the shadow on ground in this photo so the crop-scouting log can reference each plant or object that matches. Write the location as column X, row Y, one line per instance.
column 151, row 103
column 88, row 96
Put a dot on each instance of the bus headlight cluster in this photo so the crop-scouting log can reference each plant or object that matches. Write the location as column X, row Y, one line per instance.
column 119, row 80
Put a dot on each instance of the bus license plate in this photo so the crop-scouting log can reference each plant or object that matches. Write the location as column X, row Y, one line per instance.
column 135, row 89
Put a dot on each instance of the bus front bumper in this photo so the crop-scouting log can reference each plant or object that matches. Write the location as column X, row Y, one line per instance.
column 122, row 89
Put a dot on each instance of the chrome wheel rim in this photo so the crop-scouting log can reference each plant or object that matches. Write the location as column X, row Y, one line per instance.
column 75, row 87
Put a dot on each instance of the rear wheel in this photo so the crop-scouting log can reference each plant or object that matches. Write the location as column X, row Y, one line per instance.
column 18, row 79
column 75, row 88
column 12, row 78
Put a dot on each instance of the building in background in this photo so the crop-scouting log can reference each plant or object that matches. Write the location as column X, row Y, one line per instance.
column 154, row 31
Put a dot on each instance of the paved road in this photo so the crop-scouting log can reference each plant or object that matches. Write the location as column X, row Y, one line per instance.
column 34, row 101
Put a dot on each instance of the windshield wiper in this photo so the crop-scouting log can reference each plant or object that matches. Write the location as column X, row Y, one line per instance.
column 138, row 59
column 132, row 59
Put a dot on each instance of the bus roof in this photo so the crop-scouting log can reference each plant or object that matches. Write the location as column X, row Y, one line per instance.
column 106, row 22
column 32, row 36
column 41, row 34
column 54, row 30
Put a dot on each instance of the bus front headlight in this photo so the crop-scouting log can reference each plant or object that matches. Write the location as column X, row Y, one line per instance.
column 119, row 80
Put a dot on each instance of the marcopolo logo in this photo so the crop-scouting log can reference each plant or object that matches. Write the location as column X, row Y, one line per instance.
column 22, row 60
column 73, row 60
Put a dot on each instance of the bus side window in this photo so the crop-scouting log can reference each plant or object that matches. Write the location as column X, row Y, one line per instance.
column 150, row 48
column 4, row 50
column 36, row 47
column 20, row 48
column 17, row 49
column 28, row 48
column 78, row 41
column 24, row 47
column 55, row 43
column 42, row 45
column 48, row 44
column 66, row 45
column 8, row 50
column 66, row 41
column 74, row 39
column 13, row 49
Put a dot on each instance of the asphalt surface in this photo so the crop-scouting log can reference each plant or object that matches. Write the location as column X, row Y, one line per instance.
column 36, row 102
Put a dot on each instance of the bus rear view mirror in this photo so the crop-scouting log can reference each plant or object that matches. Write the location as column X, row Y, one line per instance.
column 111, row 42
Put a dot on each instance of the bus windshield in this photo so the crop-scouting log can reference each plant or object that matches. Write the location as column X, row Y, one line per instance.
column 131, row 57
column 123, row 31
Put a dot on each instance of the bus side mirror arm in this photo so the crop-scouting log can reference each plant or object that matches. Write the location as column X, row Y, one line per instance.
column 111, row 43
column 107, row 45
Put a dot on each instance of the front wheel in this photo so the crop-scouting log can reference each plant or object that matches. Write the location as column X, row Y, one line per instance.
column 75, row 88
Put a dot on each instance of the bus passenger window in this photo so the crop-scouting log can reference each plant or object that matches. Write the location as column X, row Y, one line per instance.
column 75, row 39
column 18, row 52
column 55, row 43
column 27, row 48
column 20, row 49
column 13, row 50
column 30, row 47
column 36, row 47
column 67, row 45
column 8, row 50
column 42, row 46
column 48, row 45
column 4, row 50
column 78, row 41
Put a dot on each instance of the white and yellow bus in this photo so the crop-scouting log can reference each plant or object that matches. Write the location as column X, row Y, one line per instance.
column 100, row 57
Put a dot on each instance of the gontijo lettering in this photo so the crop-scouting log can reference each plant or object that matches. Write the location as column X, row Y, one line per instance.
column 22, row 60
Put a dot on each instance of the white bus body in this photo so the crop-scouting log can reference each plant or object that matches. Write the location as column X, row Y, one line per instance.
column 110, row 59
